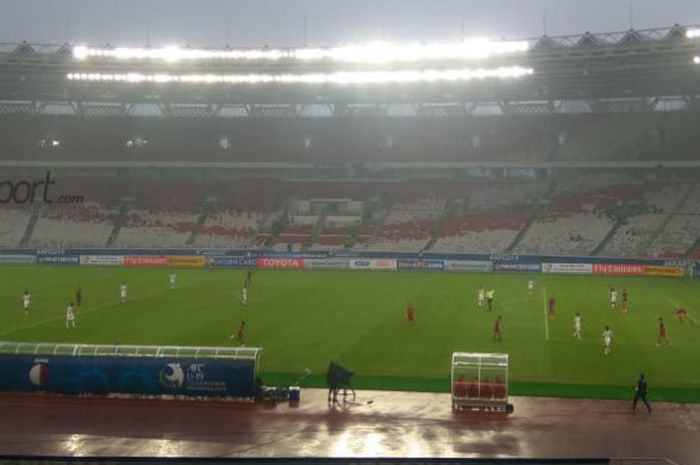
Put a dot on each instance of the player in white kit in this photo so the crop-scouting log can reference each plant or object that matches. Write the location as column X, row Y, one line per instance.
column 577, row 326
column 173, row 279
column 607, row 338
column 613, row 297
column 481, row 297
column 122, row 293
column 26, row 302
column 530, row 286
column 244, row 295
column 70, row 316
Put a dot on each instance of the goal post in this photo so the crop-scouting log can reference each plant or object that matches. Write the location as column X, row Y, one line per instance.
column 479, row 381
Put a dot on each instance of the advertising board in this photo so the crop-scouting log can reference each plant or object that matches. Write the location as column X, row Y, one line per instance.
column 468, row 265
column 145, row 260
column 17, row 259
column 135, row 375
column 618, row 269
column 280, row 263
column 524, row 267
column 102, row 260
column 236, row 262
column 652, row 270
column 418, row 265
column 567, row 268
column 58, row 259
column 373, row 264
column 186, row 260
column 327, row 263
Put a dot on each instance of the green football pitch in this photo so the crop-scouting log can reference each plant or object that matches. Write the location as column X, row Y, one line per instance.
column 304, row 319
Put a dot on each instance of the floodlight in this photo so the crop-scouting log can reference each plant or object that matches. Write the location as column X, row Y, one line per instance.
column 341, row 77
column 136, row 142
column 225, row 142
column 696, row 60
column 692, row 33
column 373, row 52
column 48, row 143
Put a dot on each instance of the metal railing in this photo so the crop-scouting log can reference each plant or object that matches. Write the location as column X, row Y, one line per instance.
column 119, row 350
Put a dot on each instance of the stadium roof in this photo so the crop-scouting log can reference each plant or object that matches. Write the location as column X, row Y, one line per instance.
column 631, row 70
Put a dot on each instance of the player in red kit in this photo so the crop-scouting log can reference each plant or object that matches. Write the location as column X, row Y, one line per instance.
column 662, row 333
column 551, row 306
column 240, row 334
column 624, row 301
column 411, row 314
column 682, row 313
column 497, row 330
column 78, row 300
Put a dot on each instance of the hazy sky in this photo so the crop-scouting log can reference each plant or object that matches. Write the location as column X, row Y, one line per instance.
column 281, row 22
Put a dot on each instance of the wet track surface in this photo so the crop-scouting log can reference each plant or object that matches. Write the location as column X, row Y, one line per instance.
column 377, row 424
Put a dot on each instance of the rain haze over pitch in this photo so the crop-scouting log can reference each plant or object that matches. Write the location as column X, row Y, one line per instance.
column 244, row 23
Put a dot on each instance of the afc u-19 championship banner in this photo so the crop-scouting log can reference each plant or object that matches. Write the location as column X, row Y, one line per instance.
column 132, row 375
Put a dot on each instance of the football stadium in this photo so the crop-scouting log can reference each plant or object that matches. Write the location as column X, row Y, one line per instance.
column 462, row 252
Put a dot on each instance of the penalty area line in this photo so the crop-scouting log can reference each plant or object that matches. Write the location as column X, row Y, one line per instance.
column 544, row 308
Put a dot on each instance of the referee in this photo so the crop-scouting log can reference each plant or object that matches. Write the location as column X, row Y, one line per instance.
column 640, row 392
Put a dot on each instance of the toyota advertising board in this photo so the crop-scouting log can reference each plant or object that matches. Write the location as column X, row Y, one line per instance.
column 280, row 263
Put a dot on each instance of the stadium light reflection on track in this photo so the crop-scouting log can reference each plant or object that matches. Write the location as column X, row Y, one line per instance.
column 346, row 77
column 375, row 52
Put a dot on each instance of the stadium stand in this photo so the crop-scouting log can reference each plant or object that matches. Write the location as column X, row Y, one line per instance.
column 229, row 229
column 13, row 225
column 490, row 232
column 577, row 219
column 86, row 225
column 153, row 228
column 682, row 231
column 647, row 217
column 406, row 225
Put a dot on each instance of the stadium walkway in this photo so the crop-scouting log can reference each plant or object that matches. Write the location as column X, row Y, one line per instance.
column 391, row 425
